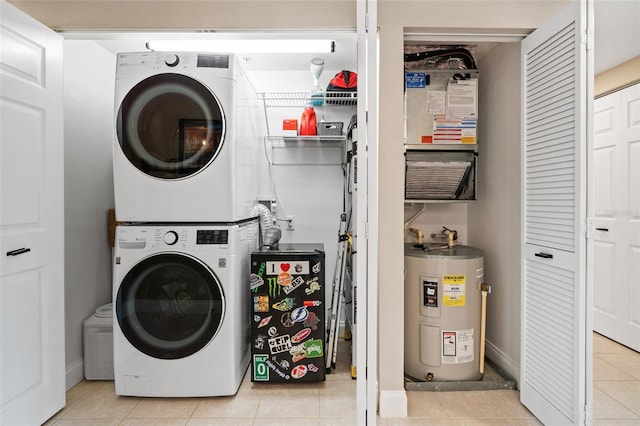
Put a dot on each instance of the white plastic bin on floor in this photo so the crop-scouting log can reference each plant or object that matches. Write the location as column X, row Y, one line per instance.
column 98, row 344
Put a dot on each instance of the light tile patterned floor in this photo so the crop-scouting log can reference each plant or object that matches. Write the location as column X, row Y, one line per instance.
column 616, row 383
column 94, row 403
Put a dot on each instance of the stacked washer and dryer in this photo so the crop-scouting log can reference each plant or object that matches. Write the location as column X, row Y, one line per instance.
column 185, row 158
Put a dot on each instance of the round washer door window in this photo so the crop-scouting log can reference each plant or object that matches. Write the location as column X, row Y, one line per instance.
column 170, row 305
column 170, row 126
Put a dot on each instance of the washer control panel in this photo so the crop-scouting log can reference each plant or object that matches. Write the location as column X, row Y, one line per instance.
column 132, row 238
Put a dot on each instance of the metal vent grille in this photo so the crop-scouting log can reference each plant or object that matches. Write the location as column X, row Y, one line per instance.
column 439, row 176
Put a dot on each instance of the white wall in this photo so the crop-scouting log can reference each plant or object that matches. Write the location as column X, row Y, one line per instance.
column 308, row 177
column 494, row 220
column 88, row 102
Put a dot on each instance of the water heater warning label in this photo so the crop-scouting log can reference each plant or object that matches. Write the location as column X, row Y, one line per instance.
column 430, row 294
column 457, row 346
column 453, row 290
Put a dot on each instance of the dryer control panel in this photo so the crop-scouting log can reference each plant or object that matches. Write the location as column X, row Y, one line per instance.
column 212, row 236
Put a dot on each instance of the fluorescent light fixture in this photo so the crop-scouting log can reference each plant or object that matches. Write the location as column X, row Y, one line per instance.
column 244, row 46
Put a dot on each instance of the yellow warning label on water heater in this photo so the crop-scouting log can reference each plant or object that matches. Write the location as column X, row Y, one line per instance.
column 454, row 289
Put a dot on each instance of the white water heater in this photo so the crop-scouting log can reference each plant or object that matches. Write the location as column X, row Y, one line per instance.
column 442, row 312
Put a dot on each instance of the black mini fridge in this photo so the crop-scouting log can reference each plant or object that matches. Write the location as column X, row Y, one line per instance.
column 287, row 314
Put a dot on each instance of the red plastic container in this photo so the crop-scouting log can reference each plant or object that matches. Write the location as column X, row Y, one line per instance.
column 308, row 125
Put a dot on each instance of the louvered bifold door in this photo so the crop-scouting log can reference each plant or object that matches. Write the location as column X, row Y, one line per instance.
column 553, row 292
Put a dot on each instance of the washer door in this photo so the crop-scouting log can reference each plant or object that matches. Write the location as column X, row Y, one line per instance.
column 170, row 305
column 170, row 126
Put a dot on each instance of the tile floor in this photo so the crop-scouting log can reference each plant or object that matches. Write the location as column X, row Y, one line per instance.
column 94, row 403
column 616, row 383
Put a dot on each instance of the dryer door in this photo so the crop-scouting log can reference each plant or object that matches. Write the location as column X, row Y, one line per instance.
column 170, row 126
column 170, row 305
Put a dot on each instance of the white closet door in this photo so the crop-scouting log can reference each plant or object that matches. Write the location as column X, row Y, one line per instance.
column 630, row 216
column 366, row 297
column 617, row 216
column 32, row 364
column 609, row 168
column 555, row 137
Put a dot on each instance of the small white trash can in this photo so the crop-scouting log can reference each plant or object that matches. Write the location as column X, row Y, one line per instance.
column 98, row 344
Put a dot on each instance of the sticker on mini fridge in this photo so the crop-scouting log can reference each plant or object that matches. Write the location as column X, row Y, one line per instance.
column 260, row 303
column 298, row 267
column 279, row 344
column 299, row 371
column 294, row 283
column 260, row 369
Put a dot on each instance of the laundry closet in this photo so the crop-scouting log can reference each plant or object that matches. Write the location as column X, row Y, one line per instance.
column 237, row 157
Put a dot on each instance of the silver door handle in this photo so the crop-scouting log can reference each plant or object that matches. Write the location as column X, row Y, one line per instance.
column 18, row 251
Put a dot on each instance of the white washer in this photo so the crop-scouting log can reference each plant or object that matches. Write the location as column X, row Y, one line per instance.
column 181, row 306
column 187, row 138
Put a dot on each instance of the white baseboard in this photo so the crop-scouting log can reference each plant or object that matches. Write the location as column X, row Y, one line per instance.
column 500, row 359
column 74, row 374
column 393, row 403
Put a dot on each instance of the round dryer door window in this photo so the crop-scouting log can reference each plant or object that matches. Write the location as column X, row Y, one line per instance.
column 170, row 126
column 170, row 305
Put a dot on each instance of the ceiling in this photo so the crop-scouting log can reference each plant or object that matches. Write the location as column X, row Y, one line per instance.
column 616, row 32
column 616, row 40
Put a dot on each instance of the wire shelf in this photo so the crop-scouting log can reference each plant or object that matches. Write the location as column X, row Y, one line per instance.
column 300, row 99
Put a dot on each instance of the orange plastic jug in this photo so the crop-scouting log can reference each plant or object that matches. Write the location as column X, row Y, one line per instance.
column 308, row 125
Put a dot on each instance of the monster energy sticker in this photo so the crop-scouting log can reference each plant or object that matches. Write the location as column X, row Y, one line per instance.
column 260, row 370
column 279, row 344
column 295, row 283
column 274, row 287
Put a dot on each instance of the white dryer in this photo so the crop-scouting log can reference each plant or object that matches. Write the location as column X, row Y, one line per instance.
column 181, row 308
column 188, row 132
